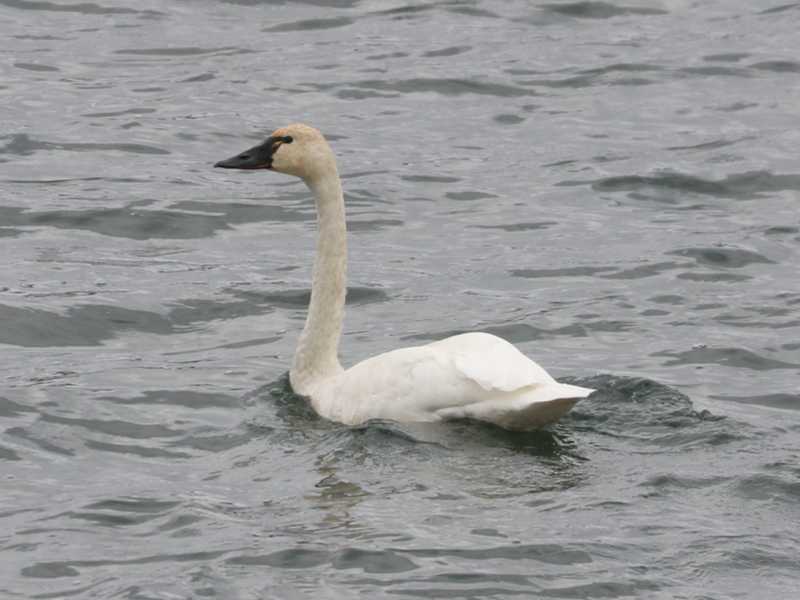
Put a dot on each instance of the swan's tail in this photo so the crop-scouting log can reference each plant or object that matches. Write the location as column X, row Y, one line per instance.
column 525, row 409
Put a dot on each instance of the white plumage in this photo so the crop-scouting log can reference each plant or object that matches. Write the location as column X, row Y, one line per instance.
column 472, row 375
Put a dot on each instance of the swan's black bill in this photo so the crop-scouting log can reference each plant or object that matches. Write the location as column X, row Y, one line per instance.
column 257, row 157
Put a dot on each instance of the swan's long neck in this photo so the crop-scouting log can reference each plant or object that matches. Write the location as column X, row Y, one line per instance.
column 316, row 357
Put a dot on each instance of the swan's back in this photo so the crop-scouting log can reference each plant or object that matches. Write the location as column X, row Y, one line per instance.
column 472, row 375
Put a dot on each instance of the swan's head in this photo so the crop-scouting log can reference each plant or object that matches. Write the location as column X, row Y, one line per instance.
column 296, row 149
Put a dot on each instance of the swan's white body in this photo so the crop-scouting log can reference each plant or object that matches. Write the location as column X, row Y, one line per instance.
column 473, row 375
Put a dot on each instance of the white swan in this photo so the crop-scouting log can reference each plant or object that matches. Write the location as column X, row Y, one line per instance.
column 472, row 375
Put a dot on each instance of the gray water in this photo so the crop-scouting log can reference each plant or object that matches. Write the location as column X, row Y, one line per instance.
column 613, row 186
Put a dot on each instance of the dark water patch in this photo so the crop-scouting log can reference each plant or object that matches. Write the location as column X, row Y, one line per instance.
column 67, row 180
column 387, row 56
column 406, row 10
column 114, row 427
column 469, row 195
column 117, row 113
column 237, row 213
column 124, row 511
column 762, row 486
column 199, row 78
column 36, row 67
column 575, row 81
column 49, row 571
column 10, row 232
column 747, row 185
column 533, row 226
column 518, row 333
column 643, row 409
column 553, row 444
column 667, row 483
column 212, row 442
column 632, row 81
column 429, row 179
column 86, row 325
column 471, row 11
column 192, row 311
column 474, row 577
column 382, row 435
column 553, row 554
column 781, row 230
column 311, row 25
column 85, row 8
column 68, row 568
column 599, row 10
column 642, row 271
column 738, row 358
column 362, row 94
column 736, row 106
column 778, row 66
column 357, row 174
column 52, row 38
column 177, row 51
column 623, row 68
column 715, row 71
column 356, row 226
column 449, row 51
column 136, row 450
column 297, row 558
column 680, row 182
column 8, row 454
column 43, row 444
column 672, row 299
column 746, row 321
column 560, row 163
column 508, row 119
column 189, row 399
column 729, row 258
column 562, row 272
column 134, row 222
column 291, row 409
column 372, row 561
column 20, row 144
column 441, row 86
column 727, row 57
column 714, row 277
column 710, row 145
column 265, row 341
column 637, row 588
column 781, row 8
column 179, row 522
column 356, row 296
column 9, row 408
column 776, row 400
column 710, row 306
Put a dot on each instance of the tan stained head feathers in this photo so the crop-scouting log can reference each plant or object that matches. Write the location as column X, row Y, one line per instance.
column 295, row 149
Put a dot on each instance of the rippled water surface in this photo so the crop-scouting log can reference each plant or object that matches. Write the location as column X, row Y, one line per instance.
column 613, row 186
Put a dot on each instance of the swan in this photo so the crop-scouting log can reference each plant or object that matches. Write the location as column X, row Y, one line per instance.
column 468, row 376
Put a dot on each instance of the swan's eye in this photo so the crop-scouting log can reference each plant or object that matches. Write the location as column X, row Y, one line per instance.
column 287, row 139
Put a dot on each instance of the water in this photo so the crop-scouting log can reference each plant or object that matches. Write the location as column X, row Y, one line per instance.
column 613, row 186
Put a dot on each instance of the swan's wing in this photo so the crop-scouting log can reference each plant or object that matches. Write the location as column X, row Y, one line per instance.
column 474, row 375
column 519, row 395
column 492, row 362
